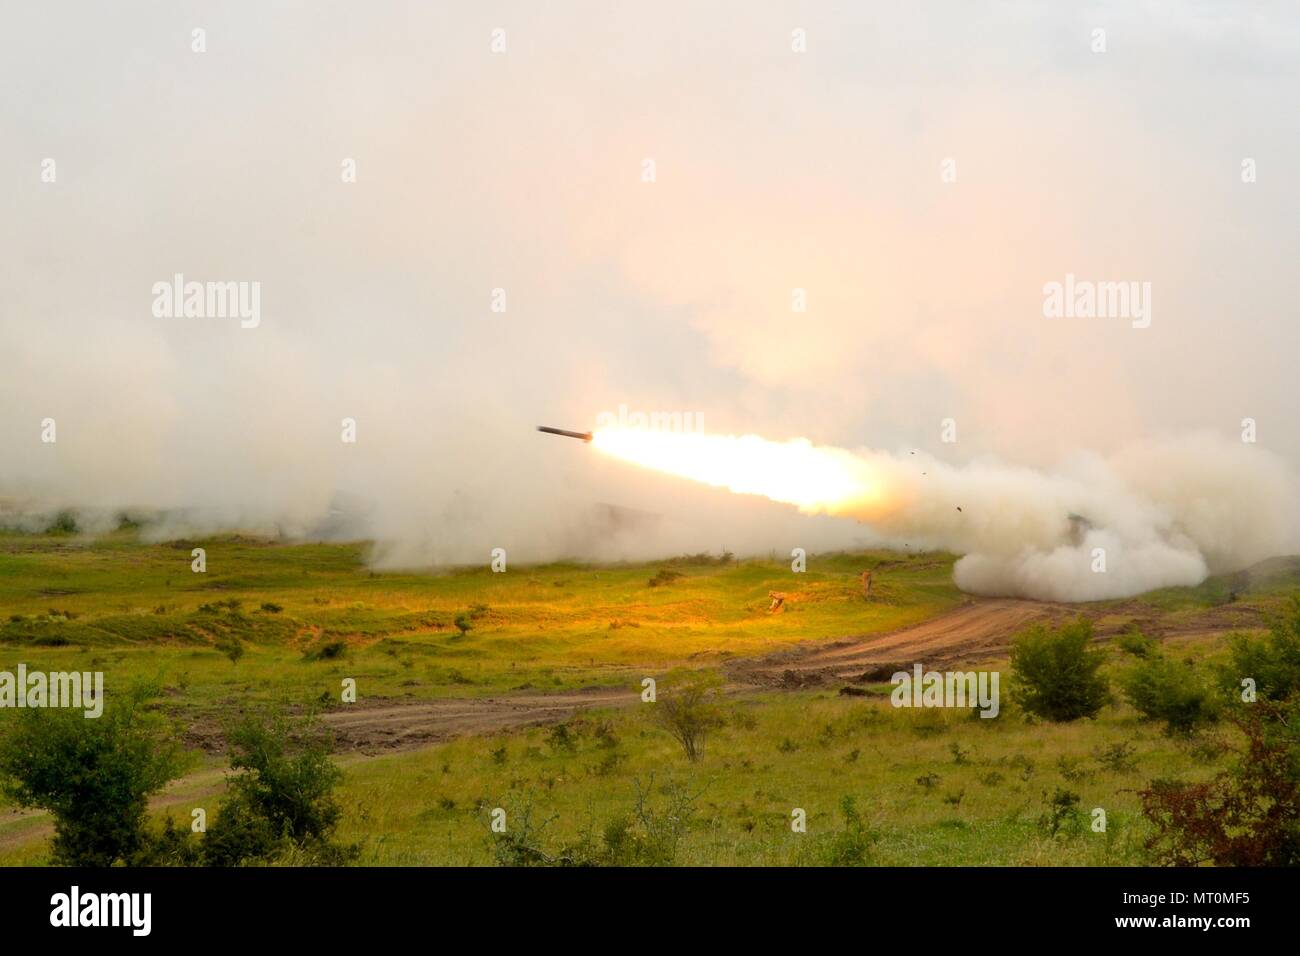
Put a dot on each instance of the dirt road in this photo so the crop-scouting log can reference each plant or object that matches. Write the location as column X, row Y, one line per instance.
column 400, row 725
column 975, row 631
column 980, row 629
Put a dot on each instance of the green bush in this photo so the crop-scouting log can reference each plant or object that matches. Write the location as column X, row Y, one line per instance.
column 1054, row 674
column 1136, row 643
column 326, row 652
column 232, row 647
column 1272, row 661
column 647, row 834
column 1062, row 816
column 283, row 798
column 850, row 846
column 688, row 706
column 172, row 845
column 94, row 775
column 65, row 522
column 1161, row 689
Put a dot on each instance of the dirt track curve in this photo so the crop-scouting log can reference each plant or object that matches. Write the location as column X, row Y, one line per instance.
column 393, row 724
column 978, row 630
column 975, row 631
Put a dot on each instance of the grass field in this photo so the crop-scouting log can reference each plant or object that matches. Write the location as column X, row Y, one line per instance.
column 134, row 609
column 931, row 787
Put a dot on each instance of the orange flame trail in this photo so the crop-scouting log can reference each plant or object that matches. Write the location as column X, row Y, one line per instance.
column 817, row 479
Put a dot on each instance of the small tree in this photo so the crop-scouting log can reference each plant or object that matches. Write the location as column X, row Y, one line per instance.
column 94, row 775
column 1054, row 674
column 282, row 799
column 688, row 706
column 1161, row 689
column 1272, row 662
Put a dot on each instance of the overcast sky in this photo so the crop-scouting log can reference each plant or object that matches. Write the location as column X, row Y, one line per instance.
column 522, row 170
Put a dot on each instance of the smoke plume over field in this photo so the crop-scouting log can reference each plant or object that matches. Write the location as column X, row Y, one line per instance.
column 1152, row 515
column 780, row 177
column 1156, row 515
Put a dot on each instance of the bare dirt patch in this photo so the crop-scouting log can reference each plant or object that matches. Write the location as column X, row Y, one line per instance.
column 979, row 630
column 392, row 725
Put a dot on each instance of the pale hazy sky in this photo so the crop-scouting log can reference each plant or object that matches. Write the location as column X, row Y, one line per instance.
column 522, row 170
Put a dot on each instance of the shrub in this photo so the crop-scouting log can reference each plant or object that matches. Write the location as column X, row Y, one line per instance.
column 172, row 845
column 1117, row 757
column 651, row 833
column 1161, row 689
column 238, row 834
column 520, row 844
column 94, row 775
column 1062, row 815
column 648, row 834
column 688, row 707
column 1249, row 814
column 1136, row 643
column 283, row 797
column 561, row 739
column 65, row 522
column 1054, row 674
column 231, row 647
column 664, row 576
column 1273, row 661
column 850, row 846
column 1072, row 769
column 326, row 652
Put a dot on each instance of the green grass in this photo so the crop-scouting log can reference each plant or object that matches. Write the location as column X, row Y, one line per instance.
column 805, row 750
column 135, row 610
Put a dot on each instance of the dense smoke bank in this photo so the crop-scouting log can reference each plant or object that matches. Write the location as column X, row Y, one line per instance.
column 1154, row 515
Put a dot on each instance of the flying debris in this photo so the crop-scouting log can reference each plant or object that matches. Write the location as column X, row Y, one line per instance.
column 584, row 436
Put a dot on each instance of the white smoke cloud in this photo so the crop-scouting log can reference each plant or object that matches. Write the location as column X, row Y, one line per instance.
column 1155, row 514
column 817, row 171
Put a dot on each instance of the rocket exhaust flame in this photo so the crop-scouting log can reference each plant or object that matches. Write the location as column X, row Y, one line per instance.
column 813, row 478
column 1160, row 514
